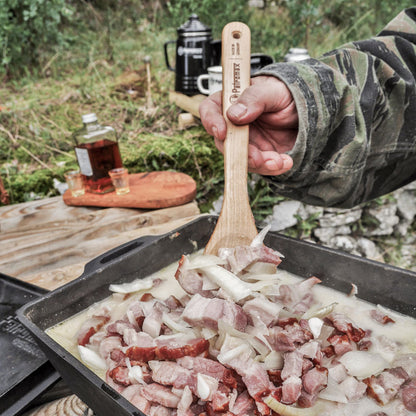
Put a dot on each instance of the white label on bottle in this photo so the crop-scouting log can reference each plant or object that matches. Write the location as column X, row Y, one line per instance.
column 84, row 161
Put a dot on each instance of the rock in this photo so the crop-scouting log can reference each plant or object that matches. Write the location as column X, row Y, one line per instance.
column 340, row 217
column 344, row 243
column 369, row 249
column 283, row 215
column 387, row 218
column 325, row 234
column 406, row 205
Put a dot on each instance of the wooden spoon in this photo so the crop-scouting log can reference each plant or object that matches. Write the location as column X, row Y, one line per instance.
column 235, row 224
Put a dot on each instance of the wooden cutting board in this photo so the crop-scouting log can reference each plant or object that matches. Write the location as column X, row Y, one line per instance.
column 148, row 190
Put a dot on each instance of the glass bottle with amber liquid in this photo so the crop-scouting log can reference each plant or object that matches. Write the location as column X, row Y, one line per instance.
column 97, row 151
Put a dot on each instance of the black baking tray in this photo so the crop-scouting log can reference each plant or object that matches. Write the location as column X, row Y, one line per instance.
column 25, row 371
column 379, row 283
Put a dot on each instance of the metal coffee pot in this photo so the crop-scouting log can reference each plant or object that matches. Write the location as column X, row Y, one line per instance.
column 195, row 52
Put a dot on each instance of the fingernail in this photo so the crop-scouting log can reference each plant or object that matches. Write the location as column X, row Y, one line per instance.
column 237, row 110
column 271, row 165
column 215, row 132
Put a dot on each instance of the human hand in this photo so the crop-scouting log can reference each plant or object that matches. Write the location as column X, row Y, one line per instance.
column 268, row 107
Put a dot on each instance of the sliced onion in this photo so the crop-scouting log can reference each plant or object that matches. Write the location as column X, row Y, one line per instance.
column 362, row 364
column 229, row 282
column 259, row 238
column 320, row 312
column 199, row 262
column 206, row 386
column 135, row 372
column 315, row 325
column 284, row 410
column 91, row 358
column 181, row 326
column 134, row 286
column 333, row 392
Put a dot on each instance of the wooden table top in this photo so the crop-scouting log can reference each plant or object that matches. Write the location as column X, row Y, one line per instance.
column 47, row 243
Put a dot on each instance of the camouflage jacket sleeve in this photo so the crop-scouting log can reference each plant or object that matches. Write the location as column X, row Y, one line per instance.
column 357, row 119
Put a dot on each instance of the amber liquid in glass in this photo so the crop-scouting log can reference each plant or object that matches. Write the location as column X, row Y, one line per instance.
column 103, row 156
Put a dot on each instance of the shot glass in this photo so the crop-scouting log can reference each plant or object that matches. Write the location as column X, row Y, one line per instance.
column 75, row 182
column 120, row 179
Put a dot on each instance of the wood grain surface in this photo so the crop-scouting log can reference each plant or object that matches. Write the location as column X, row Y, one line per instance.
column 148, row 190
column 48, row 243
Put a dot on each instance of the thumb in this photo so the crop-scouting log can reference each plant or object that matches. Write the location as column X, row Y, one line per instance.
column 266, row 94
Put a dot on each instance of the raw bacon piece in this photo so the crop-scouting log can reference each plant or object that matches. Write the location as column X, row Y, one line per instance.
column 157, row 393
column 90, row 327
column 210, row 368
column 190, row 280
column 132, row 393
column 291, row 390
column 315, row 380
column 380, row 317
column 244, row 405
column 240, row 257
column 205, row 312
column 170, row 373
column 344, row 325
column 408, row 395
column 297, row 297
column 384, row 387
column 289, row 338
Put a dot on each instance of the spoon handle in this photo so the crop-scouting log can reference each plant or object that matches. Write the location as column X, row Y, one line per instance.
column 236, row 225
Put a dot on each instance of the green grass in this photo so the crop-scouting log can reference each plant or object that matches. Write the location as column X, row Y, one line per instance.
column 41, row 107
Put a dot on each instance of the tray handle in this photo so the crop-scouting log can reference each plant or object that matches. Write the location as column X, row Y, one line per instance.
column 115, row 254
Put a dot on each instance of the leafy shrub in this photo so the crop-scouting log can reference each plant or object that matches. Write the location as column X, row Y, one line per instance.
column 26, row 28
column 214, row 13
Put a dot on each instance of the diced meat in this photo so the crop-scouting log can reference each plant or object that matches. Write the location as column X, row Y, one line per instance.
column 244, row 405
column 205, row 312
column 119, row 327
column 142, row 339
column 184, row 405
column 170, row 373
column 291, row 389
column 263, row 310
column 120, row 375
column 220, row 399
column 240, row 257
column 108, row 346
column 90, row 327
column 344, row 325
column 190, row 280
column 210, row 368
column 407, row 361
column 132, row 393
column 315, row 380
column 408, row 395
column 384, row 387
column 293, row 363
column 341, row 344
column 289, row 338
column 353, row 389
column 298, row 297
column 157, row 393
column 380, row 317
column 306, row 399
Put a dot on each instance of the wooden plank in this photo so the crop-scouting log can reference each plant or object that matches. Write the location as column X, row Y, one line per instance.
column 47, row 235
column 189, row 104
column 56, row 277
